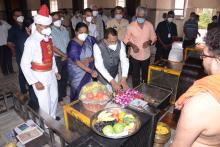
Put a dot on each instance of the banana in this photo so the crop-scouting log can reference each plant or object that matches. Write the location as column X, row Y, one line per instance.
column 106, row 119
column 105, row 116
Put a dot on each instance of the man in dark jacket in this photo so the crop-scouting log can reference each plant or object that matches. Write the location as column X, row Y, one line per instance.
column 166, row 32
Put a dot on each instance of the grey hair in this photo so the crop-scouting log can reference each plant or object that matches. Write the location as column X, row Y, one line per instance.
column 141, row 8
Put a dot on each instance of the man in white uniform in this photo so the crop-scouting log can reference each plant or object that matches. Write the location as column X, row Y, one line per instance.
column 38, row 63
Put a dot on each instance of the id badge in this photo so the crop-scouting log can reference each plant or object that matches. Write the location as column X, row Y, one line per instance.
column 169, row 35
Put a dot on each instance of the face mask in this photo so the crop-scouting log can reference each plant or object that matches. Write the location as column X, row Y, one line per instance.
column 140, row 20
column 95, row 13
column 82, row 36
column 20, row 19
column 89, row 19
column 113, row 46
column 118, row 16
column 57, row 23
column 170, row 19
column 46, row 31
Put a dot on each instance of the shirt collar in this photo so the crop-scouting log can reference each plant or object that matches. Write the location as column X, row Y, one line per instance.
column 55, row 28
column 136, row 24
column 38, row 36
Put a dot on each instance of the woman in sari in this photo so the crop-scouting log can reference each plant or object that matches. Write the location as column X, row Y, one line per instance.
column 80, row 60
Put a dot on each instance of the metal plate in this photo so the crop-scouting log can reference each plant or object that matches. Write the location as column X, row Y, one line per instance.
column 137, row 122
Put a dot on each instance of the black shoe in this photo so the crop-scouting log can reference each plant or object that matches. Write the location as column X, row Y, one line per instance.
column 57, row 118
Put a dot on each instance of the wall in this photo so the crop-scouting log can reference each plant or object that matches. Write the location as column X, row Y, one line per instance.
column 161, row 6
column 204, row 3
column 103, row 3
column 2, row 7
column 64, row 4
column 33, row 4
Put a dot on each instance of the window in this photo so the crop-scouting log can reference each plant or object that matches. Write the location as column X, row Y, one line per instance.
column 120, row 3
column 85, row 4
column 53, row 6
column 179, row 7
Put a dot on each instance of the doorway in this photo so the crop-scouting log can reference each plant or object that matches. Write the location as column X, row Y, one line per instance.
column 205, row 17
column 131, row 6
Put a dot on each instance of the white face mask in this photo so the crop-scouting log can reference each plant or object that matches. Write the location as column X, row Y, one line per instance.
column 20, row 19
column 118, row 16
column 89, row 19
column 112, row 46
column 57, row 23
column 95, row 13
column 46, row 31
column 82, row 36
column 170, row 19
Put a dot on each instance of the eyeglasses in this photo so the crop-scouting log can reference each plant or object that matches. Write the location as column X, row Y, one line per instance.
column 202, row 56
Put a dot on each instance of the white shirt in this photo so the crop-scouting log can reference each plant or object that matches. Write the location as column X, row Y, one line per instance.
column 33, row 53
column 75, row 20
column 4, row 27
column 92, row 29
column 99, row 64
column 104, row 18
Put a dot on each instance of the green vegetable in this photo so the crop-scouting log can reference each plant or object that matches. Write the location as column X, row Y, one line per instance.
column 128, row 119
column 108, row 130
column 118, row 127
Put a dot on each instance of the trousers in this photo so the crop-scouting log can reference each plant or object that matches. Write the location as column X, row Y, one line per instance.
column 62, row 83
column 137, row 66
column 6, row 60
column 33, row 102
column 22, row 81
column 48, row 97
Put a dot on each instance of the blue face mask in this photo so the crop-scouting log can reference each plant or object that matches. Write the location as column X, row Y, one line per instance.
column 140, row 20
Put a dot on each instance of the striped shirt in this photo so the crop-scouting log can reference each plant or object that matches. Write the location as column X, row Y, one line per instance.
column 191, row 29
column 60, row 38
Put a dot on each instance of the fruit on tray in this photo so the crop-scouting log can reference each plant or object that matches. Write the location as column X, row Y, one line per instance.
column 100, row 125
column 108, row 130
column 94, row 91
column 94, row 96
column 116, row 122
column 128, row 118
column 119, row 127
column 125, row 97
column 105, row 116
column 162, row 130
